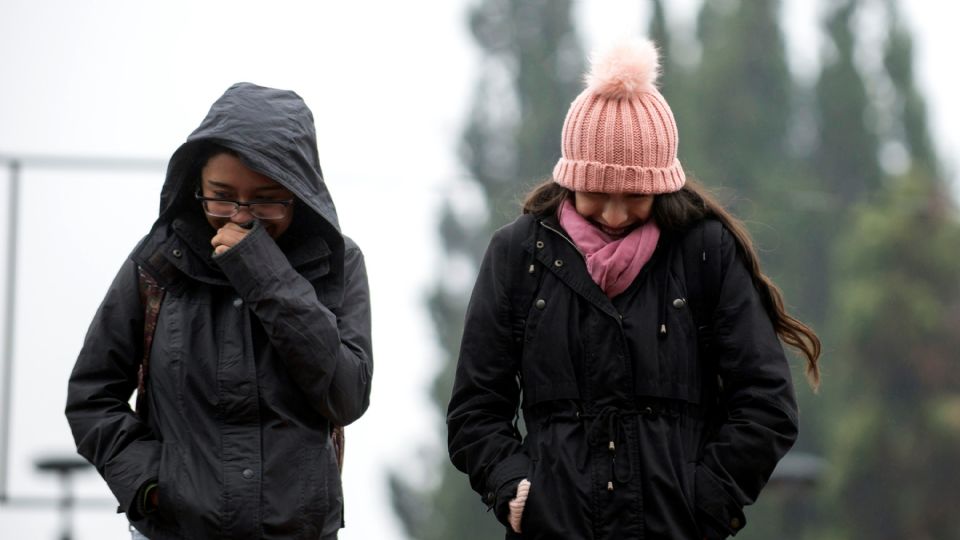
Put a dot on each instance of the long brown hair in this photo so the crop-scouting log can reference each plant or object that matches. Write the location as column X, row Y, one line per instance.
column 680, row 210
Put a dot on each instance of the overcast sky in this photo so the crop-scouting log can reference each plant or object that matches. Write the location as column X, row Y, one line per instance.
column 388, row 83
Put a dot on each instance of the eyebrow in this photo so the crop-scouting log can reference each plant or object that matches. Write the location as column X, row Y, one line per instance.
column 228, row 187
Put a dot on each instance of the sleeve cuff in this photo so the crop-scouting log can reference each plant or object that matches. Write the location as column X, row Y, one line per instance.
column 501, row 506
column 140, row 506
column 255, row 246
column 129, row 473
column 509, row 471
column 708, row 530
column 146, row 506
column 718, row 514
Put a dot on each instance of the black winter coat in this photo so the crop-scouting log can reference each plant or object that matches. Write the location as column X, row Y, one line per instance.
column 629, row 433
column 256, row 353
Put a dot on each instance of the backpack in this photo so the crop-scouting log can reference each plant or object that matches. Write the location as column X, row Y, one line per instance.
column 151, row 296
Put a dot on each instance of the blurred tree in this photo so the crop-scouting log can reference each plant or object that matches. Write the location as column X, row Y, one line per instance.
column 660, row 34
column 911, row 129
column 894, row 448
column 675, row 83
column 744, row 91
column 845, row 159
column 846, row 153
column 530, row 72
column 898, row 312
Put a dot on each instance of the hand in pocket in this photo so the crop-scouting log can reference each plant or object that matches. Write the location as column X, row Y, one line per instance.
column 517, row 504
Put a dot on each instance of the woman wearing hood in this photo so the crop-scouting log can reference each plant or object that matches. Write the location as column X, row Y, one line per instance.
column 257, row 347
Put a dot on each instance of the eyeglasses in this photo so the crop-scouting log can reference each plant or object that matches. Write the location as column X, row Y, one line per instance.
column 227, row 208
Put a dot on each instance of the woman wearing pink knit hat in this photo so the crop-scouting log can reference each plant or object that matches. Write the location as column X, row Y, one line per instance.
column 626, row 315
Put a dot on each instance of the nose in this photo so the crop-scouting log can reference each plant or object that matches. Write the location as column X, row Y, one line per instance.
column 615, row 213
column 242, row 216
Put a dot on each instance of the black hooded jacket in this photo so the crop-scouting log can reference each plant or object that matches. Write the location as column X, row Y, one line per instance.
column 257, row 351
column 629, row 436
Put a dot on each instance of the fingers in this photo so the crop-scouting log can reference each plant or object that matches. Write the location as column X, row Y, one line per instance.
column 227, row 236
column 517, row 504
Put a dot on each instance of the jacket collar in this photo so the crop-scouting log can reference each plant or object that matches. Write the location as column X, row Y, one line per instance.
column 552, row 246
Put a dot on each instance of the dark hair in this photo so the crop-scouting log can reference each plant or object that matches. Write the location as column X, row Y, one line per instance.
column 679, row 211
column 205, row 152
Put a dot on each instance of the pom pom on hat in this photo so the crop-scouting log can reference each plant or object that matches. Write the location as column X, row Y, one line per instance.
column 629, row 69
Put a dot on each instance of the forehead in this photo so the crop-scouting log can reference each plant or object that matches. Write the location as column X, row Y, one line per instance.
column 225, row 171
column 625, row 196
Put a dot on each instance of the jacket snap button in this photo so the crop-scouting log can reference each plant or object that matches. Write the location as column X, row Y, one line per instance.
column 679, row 303
column 541, row 303
column 539, row 244
column 558, row 263
column 177, row 253
column 735, row 523
column 237, row 302
column 247, row 473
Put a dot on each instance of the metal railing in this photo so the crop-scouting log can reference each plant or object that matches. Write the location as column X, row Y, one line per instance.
column 64, row 466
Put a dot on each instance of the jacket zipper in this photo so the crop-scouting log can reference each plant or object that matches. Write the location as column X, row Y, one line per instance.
column 561, row 235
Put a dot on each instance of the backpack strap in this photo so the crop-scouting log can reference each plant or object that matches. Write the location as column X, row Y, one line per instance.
column 339, row 437
column 151, row 296
column 523, row 281
column 701, row 263
column 702, row 269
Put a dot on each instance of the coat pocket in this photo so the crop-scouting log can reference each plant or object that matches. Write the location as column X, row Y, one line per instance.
column 321, row 495
column 169, row 509
column 559, row 503
column 313, row 490
column 333, row 518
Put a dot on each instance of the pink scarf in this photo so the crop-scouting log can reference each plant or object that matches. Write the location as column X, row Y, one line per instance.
column 613, row 263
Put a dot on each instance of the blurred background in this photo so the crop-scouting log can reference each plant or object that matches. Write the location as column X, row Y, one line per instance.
column 829, row 126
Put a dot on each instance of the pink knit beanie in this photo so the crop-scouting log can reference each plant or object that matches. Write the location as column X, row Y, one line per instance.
column 620, row 135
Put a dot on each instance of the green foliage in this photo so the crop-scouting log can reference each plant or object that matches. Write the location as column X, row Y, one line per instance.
column 847, row 148
column 896, row 319
column 894, row 449
column 744, row 92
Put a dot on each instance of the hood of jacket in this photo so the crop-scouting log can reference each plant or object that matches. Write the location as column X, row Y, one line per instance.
column 272, row 131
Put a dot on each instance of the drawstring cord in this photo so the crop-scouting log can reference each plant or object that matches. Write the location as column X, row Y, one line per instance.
column 608, row 424
column 662, row 295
